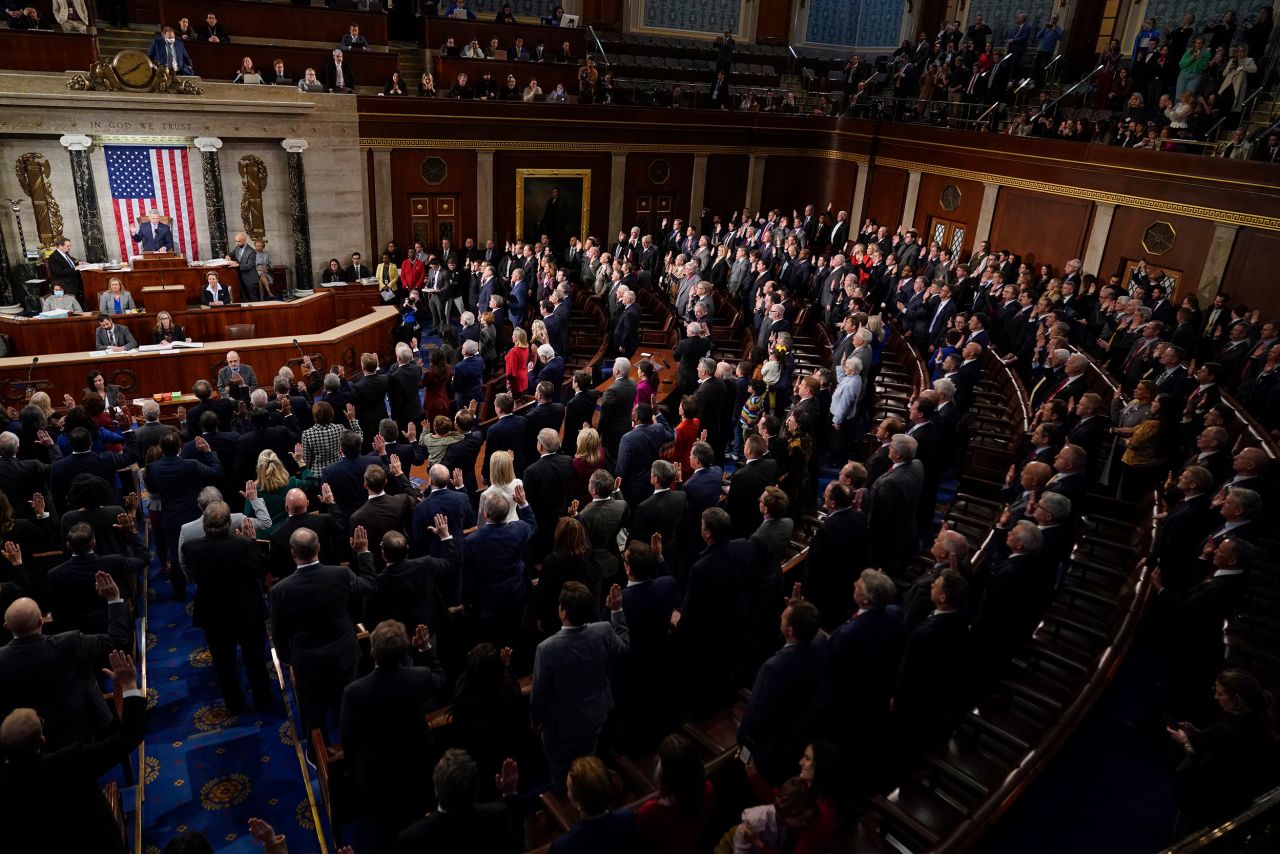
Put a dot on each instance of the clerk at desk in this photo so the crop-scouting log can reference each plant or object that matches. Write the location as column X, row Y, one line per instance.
column 115, row 299
column 60, row 300
column 215, row 293
column 154, row 235
column 113, row 337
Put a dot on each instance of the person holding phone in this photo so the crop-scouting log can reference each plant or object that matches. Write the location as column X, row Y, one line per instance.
column 236, row 380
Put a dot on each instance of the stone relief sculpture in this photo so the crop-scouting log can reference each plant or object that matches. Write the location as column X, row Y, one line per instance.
column 253, row 175
column 33, row 177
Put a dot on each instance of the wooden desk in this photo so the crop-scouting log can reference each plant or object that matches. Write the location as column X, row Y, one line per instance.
column 548, row 74
column 222, row 61
column 39, row 50
column 144, row 374
column 434, row 32
column 191, row 279
column 280, row 20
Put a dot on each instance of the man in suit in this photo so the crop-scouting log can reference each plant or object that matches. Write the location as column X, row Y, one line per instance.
column 345, row 476
column 311, row 624
column 704, row 484
column 384, row 741
column 836, row 551
column 930, row 453
column 579, row 410
column 468, row 376
column 223, row 408
column 571, row 695
column 236, row 381
column 328, row 526
column 546, row 481
column 246, row 259
column 62, row 269
column 461, row 455
column 113, row 337
column 382, row 512
column 177, row 482
column 22, row 478
column 508, row 433
column 774, row 534
column 370, row 389
column 895, row 500
column 444, row 498
column 226, row 566
column 638, row 449
column 153, row 234
column 840, row 231
column 1016, row 593
column 79, row 818
column 663, row 512
column 460, row 822
column 747, row 485
column 167, row 51
column 338, row 76
column 57, row 674
column 715, row 613
column 934, row 684
column 616, row 405
column 84, row 460
column 493, row 576
column 603, row 518
column 626, row 331
column 358, row 269
column 70, row 586
column 402, row 387
column 410, row 589
column 781, row 716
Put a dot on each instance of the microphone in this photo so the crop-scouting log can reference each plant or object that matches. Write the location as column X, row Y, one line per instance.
column 32, row 367
column 299, row 346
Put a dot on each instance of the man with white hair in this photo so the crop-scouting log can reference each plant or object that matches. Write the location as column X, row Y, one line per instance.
column 684, row 290
column 548, row 368
column 626, row 329
column 895, row 498
column 1017, row 592
column 844, row 408
column 688, row 353
column 402, row 388
column 149, row 433
column 468, row 376
column 1051, row 377
column 615, row 406
column 546, row 483
column 950, row 550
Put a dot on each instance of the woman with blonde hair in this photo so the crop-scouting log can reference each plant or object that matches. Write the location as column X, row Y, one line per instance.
column 538, row 335
column 587, row 457
column 502, row 481
column 517, row 362
column 273, row 481
column 166, row 331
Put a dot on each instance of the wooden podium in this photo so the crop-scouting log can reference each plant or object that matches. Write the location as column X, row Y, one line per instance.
column 158, row 298
column 159, row 261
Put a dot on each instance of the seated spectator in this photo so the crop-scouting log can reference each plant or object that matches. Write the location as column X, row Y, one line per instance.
column 309, row 83
column 212, row 31
column 394, row 86
column 427, row 86
column 353, row 40
column 599, row 829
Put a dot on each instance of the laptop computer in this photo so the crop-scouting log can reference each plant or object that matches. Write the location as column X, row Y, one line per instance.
column 569, row 21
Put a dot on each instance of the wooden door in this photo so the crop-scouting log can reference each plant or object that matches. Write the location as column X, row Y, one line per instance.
column 932, row 17
column 773, row 22
column 433, row 218
column 949, row 234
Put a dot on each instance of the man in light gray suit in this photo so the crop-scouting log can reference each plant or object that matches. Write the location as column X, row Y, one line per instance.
column 685, row 289
column 740, row 274
column 194, row 530
column 113, row 337
column 602, row 519
column 571, row 694
column 247, row 259
column 235, row 379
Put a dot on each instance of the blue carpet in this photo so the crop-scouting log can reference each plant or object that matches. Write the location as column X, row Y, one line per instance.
column 206, row 771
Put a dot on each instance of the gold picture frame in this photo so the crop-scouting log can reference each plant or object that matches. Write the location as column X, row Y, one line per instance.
column 533, row 191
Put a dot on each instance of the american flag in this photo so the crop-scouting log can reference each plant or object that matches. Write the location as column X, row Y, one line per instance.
column 144, row 178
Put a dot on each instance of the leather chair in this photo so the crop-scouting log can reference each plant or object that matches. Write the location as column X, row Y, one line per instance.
column 240, row 331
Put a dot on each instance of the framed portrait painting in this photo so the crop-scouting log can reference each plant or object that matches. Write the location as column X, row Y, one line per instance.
column 554, row 202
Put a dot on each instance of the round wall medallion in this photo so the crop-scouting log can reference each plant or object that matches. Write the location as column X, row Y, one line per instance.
column 1158, row 238
column 950, row 199
column 659, row 171
column 434, row 170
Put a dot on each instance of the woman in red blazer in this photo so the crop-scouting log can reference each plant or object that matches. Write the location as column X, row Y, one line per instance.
column 413, row 273
column 517, row 362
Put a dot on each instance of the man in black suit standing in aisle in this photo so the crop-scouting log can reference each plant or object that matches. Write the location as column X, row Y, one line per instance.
column 580, row 410
column 616, row 405
column 382, row 511
column 747, row 485
column 311, row 624
column 836, row 551
column 370, row 397
column 895, row 498
column 177, row 482
column 546, row 481
column 547, row 414
column 934, row 684
column 626, row 332
column 663, row 512
column 62, row 269
column 402, row 388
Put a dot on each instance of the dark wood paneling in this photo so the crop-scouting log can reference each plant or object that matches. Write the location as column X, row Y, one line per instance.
column 790, row 182
column 505, row 164
column 602, row 13
column 434, row 32
column 407, row 181
column 1250, row 277
column 773, row 22
column 886, row 193
column 1187, row 255
column 548, row 74
column 279, row 20
column 639, row 183
column 1039, row 231
column 34, row 50
column 222, row 61
column 929, row 203
column 726, row 183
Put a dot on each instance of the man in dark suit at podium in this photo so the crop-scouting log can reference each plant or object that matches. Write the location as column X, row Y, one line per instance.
column 62, row 269
column 153, row 234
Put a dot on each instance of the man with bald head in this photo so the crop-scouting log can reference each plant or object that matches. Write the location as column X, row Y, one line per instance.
column 1034, row 478
column 329, row 526
column 406, row 588
column 56, row 674
column 311, row 624
column 967, row 375
column 447, row 497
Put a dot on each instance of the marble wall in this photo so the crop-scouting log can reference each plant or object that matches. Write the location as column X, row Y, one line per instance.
column 1001, row 15
column 864, row 23
column 36, row 110
column 1168, row 13
column 703, row 16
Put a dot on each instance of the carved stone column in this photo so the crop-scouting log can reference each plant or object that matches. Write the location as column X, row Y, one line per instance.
column 95, row 247
column 213, row 204
column 7, row 295
column 298, row 207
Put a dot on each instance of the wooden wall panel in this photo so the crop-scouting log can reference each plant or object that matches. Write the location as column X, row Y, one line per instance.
column 407, row 181
column 792, row 182
column 1042, row 231
column 929, row 203
column 1186, row 256
column 1250, row 273
column 726, row 185
column 505, row 164
column 673, row 192
column 886, row 193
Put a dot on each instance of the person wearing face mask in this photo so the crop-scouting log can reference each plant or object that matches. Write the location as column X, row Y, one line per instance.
column 60, row 300
column 168, row 50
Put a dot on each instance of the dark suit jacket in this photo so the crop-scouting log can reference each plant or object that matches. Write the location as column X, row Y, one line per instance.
column 934, row 683
column 178, row 482
column 72, row 597
column 602, row 520
column 224, row 408
column 57, row 676
column 311, row 614
column 580, row 409
column 862, row 662
column 710, row 395
column 507, row 434
column 745, row 488
column 380, row 515
column 331, row 76
column 454, row 505
column 547, row 483
column 333, row 545
column 65, row 274
column 543, row 415
column 103, row 464
column 704, row 488
column 615, row 413
column 227, row 573
column 407, row 591
column 613, row 832
column 717, row 600
column 346, row 477
column 223, row 295
column 483, row 827
column 626, row 332
column 837, row 553
column 493, row 581
column 636, row 454
column 20, row 479
column 895, row 500
column 1016, row 593
column 1179, row 537
column 781, row 715
column 402, row 389
column 370, row 401
column 468, row 381
column 163, row 235
column 661, row 513
column 462, row 455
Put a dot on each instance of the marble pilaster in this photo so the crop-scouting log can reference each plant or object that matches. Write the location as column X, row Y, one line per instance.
column 298, row 207
column 617, row 194
column 985, row 215
column 1097, row 244
column 215, row 209
column 856, row 211
column 1215, row 261
column 698, row 192
column 95, row 248
column 909, row 204
column 755, row 182
column 7, row 295
column 484, row 196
